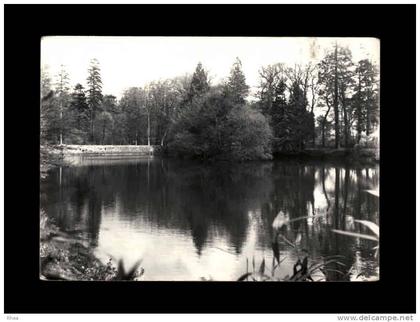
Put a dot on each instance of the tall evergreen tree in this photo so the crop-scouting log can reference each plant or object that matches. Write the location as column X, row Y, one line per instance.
column 94, row 98
column 199, row 83
column 46, row 106
column 365, row 97
column 80, row 109
column 335, row 79
column 236, row 88
column 278, row 108
column 345, row 78
column 301, row 123
column 62, row 88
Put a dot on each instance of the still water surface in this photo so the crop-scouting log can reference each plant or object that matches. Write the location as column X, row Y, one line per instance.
column 191, row 221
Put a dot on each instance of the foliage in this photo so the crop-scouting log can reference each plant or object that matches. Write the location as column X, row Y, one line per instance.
column 65, row 257
column 292, row 124
column 104, row 122
column 272, row 88
column 351, row 90
column 188, row 116
column 236, row 88
column 248, row 133
column 80, row 116
column 133, row 107
column 295, row 127
column 62, row 104
column 365, row 98
column 214, row 127
column 199, row 84
column 94, row 93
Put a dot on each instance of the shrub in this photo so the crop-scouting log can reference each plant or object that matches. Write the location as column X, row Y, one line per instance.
column 213, row 127
column 248, row 134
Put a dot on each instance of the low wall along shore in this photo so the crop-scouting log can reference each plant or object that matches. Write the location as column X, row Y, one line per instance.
column 141, row 150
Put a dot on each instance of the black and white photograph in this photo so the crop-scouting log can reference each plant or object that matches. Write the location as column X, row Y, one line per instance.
column 210, row 159
column 180, row 160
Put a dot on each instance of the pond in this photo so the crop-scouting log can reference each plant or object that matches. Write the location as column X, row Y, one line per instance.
column 190, row 221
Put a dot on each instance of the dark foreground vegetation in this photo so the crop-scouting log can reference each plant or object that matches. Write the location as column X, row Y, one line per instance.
column 64, row 256
column 331, row 104
column 307, row 269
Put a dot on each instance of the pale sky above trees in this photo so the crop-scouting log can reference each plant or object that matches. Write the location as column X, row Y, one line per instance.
column 135, row 61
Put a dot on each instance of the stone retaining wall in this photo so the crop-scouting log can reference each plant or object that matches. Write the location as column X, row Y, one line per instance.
column 109, row 149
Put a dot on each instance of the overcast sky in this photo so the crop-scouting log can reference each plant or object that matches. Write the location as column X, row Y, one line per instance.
column 135, row 61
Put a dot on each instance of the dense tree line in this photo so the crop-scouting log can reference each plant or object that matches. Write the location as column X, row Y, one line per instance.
column 334, row 103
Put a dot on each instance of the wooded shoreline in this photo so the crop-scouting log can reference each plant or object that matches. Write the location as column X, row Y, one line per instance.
column 330, row 104
column 347, row 154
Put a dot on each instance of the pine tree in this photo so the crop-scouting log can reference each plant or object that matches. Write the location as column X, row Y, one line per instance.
column 236, row 88
column 46, row 106
column 278, row 109
column 80, row 110
column 62, row 90
column 365, row 97
column 299, row 117
column 94, row 98
column 199, row 83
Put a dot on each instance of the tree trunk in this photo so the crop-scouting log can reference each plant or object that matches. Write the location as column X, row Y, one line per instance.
column 324, row 122
column 368, row 117
column 103, row 134
column 313, row 126
column 158, row 133
column 336, row 115
column 346, row 121
column 91, row 126
column 61, row 123
column 359, row 111
column 148, row 128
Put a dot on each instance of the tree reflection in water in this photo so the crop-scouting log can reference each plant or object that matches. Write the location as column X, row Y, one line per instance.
column 160, row 208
